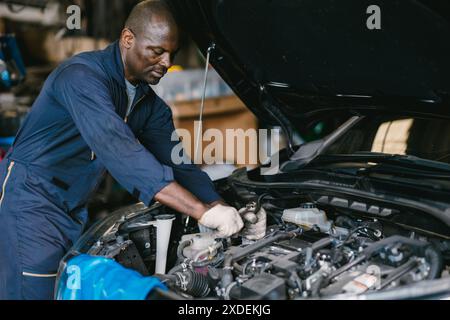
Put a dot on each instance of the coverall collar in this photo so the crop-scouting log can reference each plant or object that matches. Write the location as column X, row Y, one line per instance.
column 118, row 71
column 115, row 63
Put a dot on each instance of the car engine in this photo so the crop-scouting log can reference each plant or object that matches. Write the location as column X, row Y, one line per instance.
column 304, row 255
column 299, row 260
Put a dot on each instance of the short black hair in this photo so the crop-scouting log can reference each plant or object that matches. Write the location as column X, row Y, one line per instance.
column 143, row 13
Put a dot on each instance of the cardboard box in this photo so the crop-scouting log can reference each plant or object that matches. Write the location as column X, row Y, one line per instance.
column 221, row 114
column 48, row 47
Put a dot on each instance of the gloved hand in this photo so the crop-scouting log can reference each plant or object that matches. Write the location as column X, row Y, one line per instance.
column 255, row 223
column 225, row 219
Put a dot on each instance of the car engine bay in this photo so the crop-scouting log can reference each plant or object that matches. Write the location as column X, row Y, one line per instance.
column 313, row 249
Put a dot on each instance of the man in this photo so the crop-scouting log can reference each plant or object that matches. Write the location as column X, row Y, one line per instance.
column 96, row 112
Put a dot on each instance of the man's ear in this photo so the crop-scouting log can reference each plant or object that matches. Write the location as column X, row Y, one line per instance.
column 127, row 38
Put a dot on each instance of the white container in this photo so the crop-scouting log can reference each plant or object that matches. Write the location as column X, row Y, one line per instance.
column 309, row 217
column 163, row 231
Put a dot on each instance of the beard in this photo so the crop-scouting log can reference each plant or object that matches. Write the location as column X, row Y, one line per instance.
column 153, row 79
column 151, row 76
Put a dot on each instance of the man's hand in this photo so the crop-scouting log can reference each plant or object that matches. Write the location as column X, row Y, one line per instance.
column 255, row 223
column 225, row 219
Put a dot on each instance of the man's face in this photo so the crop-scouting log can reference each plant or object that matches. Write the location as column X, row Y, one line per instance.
column 149, row 55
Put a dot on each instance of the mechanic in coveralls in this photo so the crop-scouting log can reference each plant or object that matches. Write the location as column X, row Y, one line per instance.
column 96, row 112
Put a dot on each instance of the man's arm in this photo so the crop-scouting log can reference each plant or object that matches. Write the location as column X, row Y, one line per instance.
column 86, row 97
column 181, row 200
column 157, row 137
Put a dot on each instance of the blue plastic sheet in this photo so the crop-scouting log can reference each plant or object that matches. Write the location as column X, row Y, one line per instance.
column 96, row 278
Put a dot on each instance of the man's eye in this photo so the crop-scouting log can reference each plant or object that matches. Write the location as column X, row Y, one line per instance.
column 158, row 51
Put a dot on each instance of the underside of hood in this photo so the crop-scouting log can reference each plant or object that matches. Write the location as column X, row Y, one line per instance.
column 292, row 61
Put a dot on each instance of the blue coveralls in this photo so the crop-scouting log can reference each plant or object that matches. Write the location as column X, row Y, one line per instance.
column 75, row 131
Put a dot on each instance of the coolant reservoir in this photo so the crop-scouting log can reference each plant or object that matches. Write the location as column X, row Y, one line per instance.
column 307, row 216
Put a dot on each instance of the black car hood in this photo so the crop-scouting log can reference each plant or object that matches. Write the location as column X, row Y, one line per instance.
column 295, row 60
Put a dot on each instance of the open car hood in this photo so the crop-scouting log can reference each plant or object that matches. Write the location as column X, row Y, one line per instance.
column 291, row 61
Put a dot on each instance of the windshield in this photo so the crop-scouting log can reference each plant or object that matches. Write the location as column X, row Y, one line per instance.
column 426, row 138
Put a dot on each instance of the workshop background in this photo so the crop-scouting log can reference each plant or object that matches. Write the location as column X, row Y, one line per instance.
column 35, row 39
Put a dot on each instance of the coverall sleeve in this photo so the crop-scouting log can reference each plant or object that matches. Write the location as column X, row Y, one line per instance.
column 87, row 98
column 156, row 137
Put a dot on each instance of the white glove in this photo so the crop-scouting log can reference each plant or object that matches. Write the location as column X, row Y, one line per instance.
column 255, row 224
column 225, row 219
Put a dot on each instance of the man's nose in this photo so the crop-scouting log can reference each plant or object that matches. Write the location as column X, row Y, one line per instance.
column 166, row 60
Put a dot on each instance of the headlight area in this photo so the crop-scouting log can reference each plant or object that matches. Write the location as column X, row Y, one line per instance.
column 138, row 238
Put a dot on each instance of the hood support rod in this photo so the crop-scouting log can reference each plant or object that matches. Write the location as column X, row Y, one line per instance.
column 202, row 105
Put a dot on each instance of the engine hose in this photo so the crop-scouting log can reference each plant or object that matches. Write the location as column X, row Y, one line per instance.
column 193, row 283
column 401, row 271
column 434, row 258
column 259, row 202
column 238, row 267
column 175, row 269
column 375, row 247
column 180, row 249
column 214, row 262
column 345, row 222
column 243, row 252
column 322, row 243
column 227, row 277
